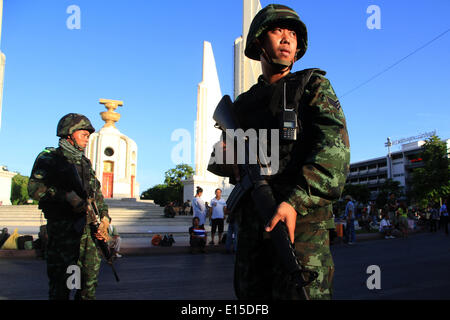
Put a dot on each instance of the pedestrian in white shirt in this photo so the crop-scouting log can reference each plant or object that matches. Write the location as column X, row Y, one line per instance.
column 198, row 207
column 386, row 227
column 218, row 207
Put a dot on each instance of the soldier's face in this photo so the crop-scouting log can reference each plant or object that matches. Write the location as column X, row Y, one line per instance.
column 281, row 43
column 81, row 137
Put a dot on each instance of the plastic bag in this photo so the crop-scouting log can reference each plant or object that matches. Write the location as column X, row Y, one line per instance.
column 11, row 243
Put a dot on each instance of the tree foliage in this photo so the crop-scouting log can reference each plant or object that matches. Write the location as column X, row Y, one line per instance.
column 388, row 187
column 173, row 177
column 172, row 188
column 359, row 192
column 19, row 189
column 161, row 194
column 432, row 182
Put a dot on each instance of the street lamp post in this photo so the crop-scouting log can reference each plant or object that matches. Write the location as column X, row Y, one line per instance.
column 388, row 144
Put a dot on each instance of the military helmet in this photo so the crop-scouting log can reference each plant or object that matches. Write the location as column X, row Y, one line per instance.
column 266, row 18
column 72, row 122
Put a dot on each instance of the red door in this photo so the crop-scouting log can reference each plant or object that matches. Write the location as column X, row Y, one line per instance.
column 132, row 186
column 107, row 184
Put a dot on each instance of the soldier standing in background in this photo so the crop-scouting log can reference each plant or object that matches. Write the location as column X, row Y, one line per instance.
column 69, row 237
column 312, row 167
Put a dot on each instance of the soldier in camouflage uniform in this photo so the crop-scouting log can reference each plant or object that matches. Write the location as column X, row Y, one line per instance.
column 312, row 170
column 69, row 236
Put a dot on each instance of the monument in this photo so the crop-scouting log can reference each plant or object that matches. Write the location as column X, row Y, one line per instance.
column 5, row 175
column 208, row 96
column 113, row 156
column 246, row 73
column 5, row 185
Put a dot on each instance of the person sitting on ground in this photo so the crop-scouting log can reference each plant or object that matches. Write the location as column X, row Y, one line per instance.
column 114, row 240
column 364, row 221
column 386, row 227
column 198, row 236
column 42, row 242
column 187, row 207
column 169, row 211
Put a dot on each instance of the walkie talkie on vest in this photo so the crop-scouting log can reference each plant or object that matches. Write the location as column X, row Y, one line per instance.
column 288, row 119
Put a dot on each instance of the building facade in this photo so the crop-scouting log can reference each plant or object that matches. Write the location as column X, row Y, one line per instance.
column 397, row 166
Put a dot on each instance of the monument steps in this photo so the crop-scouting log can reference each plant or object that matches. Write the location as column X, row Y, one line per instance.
column 135, row 221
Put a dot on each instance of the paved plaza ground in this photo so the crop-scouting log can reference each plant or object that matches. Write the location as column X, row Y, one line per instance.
column 413, row 268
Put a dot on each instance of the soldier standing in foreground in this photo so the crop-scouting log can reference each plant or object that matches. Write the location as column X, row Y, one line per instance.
column 69, row 236
column 312, row 167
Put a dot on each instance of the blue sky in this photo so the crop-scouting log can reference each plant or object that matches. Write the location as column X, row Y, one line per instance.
column 149, row 54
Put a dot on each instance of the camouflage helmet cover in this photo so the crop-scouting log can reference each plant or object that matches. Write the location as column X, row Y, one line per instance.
column 266, row 18
column 72, row 122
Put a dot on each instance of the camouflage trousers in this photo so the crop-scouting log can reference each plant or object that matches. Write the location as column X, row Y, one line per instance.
column 63, row 249
column 258, row 270
column 89, row 263
column 68, row 247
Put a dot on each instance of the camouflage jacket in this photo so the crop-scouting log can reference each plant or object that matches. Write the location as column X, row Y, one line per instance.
column 312, row 170
column 49, row 183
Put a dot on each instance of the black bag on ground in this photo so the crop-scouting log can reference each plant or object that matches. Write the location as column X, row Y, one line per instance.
column 167, row 241
column 4, row 236
column 21, row 241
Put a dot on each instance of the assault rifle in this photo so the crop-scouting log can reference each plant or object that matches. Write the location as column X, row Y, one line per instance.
column 78, row 188
column 252, row 181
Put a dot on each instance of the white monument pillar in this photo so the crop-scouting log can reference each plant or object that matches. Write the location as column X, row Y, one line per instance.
column 206, row 135
column 5, row 185
column 5, row 175
column 246, row 71
column 2, row 64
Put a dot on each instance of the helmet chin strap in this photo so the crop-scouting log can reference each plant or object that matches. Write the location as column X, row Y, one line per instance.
column 279, row 65
column 74, row 142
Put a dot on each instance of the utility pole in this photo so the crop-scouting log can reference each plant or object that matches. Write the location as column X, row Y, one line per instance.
column 388, row 144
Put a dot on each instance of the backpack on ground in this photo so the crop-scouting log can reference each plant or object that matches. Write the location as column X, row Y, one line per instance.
column 21, row 240
column 167, row 241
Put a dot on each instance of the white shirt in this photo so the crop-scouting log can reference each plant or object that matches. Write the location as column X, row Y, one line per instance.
column 384, row 224
column 217, row 208
column 199, row 209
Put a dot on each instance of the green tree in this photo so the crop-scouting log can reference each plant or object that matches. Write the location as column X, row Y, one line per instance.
column 161, row 194
column 359, row 192
column 174, row 177
column 19, row 191
column 431, row 183
column 172, row 189
column 388, row 187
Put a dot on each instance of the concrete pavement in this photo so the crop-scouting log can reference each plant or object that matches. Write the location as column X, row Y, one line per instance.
column 413, row 268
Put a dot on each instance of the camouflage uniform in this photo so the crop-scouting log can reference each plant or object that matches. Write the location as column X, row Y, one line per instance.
column 69, row 237
column 311, row 175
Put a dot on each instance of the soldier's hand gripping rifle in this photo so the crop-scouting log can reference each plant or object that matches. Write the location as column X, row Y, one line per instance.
column 252, row 181
column 92, row 213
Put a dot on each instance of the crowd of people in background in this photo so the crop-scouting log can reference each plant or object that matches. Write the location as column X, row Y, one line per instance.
column 393, row 220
